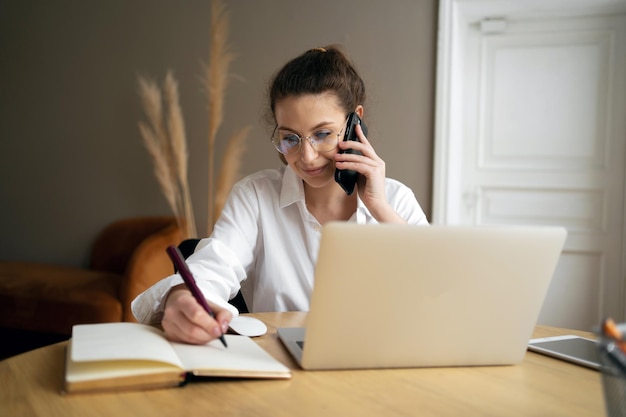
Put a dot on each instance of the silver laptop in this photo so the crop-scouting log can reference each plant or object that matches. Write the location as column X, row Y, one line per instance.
column 391, row 296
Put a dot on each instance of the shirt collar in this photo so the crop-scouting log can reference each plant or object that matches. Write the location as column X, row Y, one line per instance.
column 292, row 191
column 362, row 213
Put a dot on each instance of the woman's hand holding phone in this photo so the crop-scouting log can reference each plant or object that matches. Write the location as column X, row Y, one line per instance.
column 371, row 181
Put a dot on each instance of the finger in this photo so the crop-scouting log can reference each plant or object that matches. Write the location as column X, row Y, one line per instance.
column 363, row 146
column 179, row 327
column 361, row 135
column 185, row 320
column 214, row 326
column 367, row 160
column 223, row 317
column 178, row 330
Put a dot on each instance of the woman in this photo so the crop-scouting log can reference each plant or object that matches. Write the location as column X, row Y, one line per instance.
column 267, row 237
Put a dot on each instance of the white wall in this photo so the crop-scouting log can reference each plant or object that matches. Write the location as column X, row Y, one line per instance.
column 71, row 158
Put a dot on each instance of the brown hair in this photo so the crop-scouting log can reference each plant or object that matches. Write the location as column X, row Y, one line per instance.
column 316, row 71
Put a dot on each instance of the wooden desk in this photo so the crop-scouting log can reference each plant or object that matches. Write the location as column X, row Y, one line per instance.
column 540, row 386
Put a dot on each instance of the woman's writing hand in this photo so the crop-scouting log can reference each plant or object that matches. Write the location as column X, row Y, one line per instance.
column 184, row 320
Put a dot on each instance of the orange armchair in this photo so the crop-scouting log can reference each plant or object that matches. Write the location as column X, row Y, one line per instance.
column 127, row 257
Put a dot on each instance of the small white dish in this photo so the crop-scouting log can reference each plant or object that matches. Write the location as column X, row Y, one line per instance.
column 248, row 326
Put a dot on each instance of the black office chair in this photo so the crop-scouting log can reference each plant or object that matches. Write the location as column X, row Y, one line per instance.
column 187, row 247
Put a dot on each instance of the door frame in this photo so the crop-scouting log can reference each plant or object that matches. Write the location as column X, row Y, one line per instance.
column 455, row 16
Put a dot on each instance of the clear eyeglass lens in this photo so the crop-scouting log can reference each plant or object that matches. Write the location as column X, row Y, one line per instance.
column 287, row 142
column 324, row 140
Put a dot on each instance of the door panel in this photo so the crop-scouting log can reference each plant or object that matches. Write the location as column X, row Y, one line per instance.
column 544, row 109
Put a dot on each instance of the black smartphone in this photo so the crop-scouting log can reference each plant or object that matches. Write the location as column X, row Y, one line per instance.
column 346, row 178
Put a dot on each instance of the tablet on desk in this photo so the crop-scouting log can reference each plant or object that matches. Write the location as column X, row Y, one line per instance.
column 571, row 348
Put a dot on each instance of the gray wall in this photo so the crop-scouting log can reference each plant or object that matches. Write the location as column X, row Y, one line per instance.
column 71, row 158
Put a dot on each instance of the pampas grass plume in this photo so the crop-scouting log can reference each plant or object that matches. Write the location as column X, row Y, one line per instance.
column 229, row 170
column 164, row 132
column 164, row 138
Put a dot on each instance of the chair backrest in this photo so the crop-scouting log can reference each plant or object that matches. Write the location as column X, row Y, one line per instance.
column 135, row 248
column 187, row 247
column 115, row 245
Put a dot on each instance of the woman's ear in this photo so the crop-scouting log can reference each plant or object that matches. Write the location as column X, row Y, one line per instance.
column 359, row 110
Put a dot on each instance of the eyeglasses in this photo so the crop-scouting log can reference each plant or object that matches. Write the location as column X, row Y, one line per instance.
column 289, row 143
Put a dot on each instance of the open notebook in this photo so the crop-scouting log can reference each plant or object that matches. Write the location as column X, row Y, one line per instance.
column 125, row 356
column 389, row 296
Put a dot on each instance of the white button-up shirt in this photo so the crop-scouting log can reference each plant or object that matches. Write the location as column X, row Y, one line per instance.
column 265, row 242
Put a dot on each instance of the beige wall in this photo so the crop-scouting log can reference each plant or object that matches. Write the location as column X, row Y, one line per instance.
column 71, row 159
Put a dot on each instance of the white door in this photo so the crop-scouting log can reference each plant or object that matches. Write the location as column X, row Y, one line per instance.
column 538, row 137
